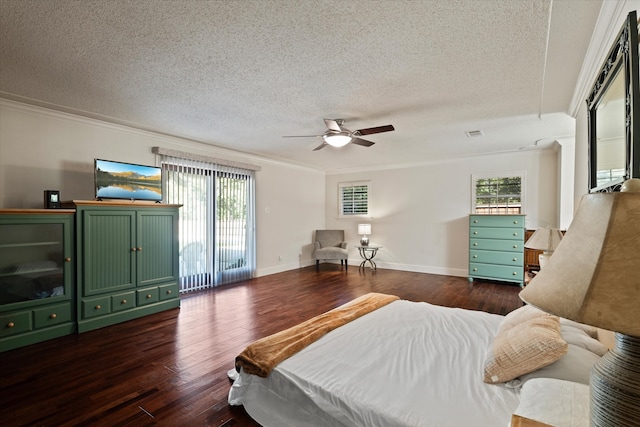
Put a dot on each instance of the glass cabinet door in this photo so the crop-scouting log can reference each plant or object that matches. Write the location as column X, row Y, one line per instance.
column 32, row 261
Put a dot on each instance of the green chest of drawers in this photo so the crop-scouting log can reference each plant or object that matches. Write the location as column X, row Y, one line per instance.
column 496, row 248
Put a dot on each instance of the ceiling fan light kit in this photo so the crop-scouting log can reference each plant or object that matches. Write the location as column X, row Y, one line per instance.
column 337, row 136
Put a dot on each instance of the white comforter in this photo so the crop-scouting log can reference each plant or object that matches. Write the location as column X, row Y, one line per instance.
column 405, row 364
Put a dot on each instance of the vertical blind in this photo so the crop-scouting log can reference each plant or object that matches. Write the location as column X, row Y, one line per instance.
column 217, row 220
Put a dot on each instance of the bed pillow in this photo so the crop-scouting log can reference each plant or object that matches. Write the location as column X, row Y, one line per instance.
column 592, row 331
column 520, row 315
column 524, row 348
column 578, row 337
column 574, row 366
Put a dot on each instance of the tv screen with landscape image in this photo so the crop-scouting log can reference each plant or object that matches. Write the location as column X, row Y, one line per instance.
column 118, row 180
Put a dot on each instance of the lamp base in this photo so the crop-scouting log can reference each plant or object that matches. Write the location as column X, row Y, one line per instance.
column 364, row 241
column 543, row 258
column 615, row 385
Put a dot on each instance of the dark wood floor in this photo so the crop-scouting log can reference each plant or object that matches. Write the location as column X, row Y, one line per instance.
column 170, row 368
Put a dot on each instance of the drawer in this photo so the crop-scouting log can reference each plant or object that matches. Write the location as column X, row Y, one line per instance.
column 52, row 315
column 147, row 296
column 96, row 307
column 497, row 245
column 492, row 271
column 169, row 291
column 496, row 233
column 514, row 221
column 496, row 257
column 15, row 323
column 123, row 301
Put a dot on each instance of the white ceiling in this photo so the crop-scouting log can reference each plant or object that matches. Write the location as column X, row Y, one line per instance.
column 241, row 74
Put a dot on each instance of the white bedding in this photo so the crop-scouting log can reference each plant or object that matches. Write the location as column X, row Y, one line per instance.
column 405, row 364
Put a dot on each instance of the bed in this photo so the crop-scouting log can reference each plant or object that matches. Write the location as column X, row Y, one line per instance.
column 405, row 363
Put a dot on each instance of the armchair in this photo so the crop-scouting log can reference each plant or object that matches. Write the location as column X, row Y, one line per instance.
column 330, row 245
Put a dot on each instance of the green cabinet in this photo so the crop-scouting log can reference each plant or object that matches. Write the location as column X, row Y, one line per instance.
column 128, row 257
column 37, row 271
column 496, row 247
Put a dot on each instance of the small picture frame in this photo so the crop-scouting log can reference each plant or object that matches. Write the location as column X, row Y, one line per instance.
column 52, row 199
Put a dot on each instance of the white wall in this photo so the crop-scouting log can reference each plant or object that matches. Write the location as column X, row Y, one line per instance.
column 420, row 214
column 41, row 149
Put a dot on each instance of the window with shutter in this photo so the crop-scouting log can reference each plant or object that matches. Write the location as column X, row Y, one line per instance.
column 353, row 199
column 498, row 194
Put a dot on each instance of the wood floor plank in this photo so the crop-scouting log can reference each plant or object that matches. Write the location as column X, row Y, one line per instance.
column 170, row 368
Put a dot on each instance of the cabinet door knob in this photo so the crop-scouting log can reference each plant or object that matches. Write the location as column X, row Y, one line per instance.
column 475, row 221
column 134, row 249
column 53, row 316
column 475, row 232
column 10, row 325
column 139, row 249
column 67, row 259
column 475, row 269
column 515, row 222
column 124, row 301
column 515, row 273
column 515, row 234
column 475, row 244
column 515, row 246
column 98, row 307
column 169, row 292
column 515, row 259
column 475, row 256
column 148, row 296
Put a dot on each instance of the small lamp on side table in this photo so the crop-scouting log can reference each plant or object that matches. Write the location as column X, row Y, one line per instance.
column 546, row 240
column 593, row 278
column 364, row 230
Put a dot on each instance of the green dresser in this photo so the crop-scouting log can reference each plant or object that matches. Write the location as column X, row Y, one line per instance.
column 496, row 248
column 37, row 271
column 127, row 261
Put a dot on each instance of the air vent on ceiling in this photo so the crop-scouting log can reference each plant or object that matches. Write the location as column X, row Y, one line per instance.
column 473, row 133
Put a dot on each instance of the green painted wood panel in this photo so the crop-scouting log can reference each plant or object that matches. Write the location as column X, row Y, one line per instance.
column 496, row 245
column 157, row 236
column 497, row 257
column 516, row 221
column 109, row 255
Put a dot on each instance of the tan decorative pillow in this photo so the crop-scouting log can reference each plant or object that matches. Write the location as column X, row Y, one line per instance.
column 520, row 315
column 524, row 348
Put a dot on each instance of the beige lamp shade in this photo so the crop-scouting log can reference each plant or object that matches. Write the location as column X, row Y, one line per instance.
column 593, row 276
column 364, row 229
column 544, row 239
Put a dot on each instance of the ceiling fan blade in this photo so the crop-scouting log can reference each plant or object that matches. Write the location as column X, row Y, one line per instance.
column 320, row 146
column 378, row 129
column 333, row 125
column 363, row 142
column 301, row 136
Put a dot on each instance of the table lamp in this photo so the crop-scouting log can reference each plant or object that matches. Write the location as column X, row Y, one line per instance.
column 594, row 278
column 364, row 230
column 546, row 240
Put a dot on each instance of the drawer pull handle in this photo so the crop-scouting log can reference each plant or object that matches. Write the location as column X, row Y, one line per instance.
column 515, row 234
column 169, row 292
column 475, row 244
column 124, row 301
column 475, row 232
column 475, row 269
column 515, row 222
column 139, row 249
column 475, row 221
column 515, row 246
column 515, row 259
column 10, row 325
column 475, row 256
column 515, row 273
column 98, row 307
column 67, row 259
column 148, row 296
column 134, row 249
column 53, row 316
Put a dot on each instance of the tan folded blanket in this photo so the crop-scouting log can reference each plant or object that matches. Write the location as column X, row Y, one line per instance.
column 261, row 356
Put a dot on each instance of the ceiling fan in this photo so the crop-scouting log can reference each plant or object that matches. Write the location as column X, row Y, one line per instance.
column 338, row 136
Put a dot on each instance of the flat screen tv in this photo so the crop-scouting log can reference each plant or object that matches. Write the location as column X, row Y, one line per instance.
column 118, row 180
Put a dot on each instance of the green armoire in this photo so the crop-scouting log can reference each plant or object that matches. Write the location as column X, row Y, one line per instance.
column 127, row 261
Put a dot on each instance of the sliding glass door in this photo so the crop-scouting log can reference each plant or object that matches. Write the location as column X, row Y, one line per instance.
column 217, row 221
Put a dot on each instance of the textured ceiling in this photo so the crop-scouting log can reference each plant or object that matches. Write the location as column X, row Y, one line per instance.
column 241, row 74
